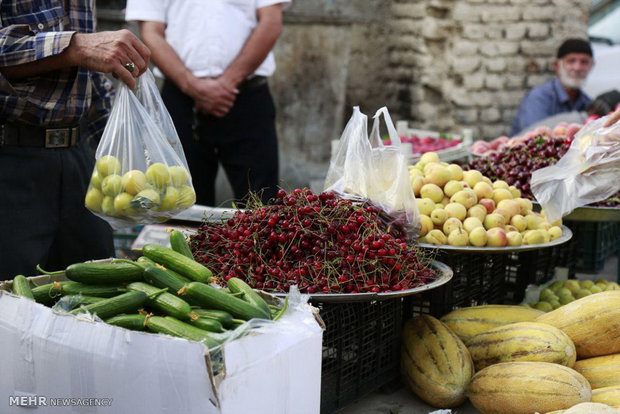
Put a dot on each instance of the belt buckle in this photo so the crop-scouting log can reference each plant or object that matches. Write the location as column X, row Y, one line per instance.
column 57, row 137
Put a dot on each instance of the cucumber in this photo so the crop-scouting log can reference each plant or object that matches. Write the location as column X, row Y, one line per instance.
column 207, row 324
column 71, row 302
column 164, row 278
column 165, row 302
column 134, row 321
column 210, row 297
column 21, row 287
column 102, row 291
column 221, row 316
column 175, row 327
column 237, row 285
column 48, row 293
column 179, row 244
column 127, row 302
column 145, row 261
column 103, row 273
column 177, row 262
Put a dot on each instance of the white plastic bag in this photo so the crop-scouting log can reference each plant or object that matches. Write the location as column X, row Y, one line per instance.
column 587, row 173
column 138, row 177
column 363, row 168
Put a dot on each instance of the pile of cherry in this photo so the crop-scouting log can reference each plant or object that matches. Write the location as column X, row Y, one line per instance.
column 516, row 164
column 319, row 242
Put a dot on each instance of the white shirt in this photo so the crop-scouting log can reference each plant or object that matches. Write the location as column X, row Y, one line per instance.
column 206, row 34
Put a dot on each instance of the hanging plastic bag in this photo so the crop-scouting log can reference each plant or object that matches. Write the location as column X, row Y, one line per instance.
column 587, row 173
column 367, row 169
column 138, row 177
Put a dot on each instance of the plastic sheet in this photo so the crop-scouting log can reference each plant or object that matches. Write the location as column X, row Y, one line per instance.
column 141, row 175
column 362, row 168
column 587, row 173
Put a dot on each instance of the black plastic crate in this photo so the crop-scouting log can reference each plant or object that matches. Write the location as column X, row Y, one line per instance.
column 529, row 267
column 596, row 241
column 477, row 279
column 361, row 349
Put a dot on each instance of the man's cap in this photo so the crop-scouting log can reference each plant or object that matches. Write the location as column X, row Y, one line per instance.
column 574, row 46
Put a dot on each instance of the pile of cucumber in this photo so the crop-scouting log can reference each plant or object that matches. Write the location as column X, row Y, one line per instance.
column 164, row 291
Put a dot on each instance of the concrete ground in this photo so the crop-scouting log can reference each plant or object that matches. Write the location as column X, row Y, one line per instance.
column 401, row 400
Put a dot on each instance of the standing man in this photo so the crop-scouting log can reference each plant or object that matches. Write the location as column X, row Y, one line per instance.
column 53, row 99
column 561, row 94
column 216, row 57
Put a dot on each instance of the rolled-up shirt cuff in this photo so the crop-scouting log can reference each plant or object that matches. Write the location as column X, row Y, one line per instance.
column 51, row 43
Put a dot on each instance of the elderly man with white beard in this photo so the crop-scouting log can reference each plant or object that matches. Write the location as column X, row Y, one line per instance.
column 562, row 93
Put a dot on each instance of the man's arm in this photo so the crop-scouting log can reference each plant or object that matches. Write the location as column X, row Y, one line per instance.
column 207, row 93
column 23, row 54
column 257, row 47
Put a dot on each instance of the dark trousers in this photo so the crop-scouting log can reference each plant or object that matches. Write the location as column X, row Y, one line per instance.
column 43, row 219
column 244, row 142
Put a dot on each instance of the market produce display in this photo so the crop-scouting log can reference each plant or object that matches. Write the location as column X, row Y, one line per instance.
column 320, row 242
column 515, row 164
column 144, row 295
column 560, row 293
column 465, row 208
column 526, row 360
column 135, row 194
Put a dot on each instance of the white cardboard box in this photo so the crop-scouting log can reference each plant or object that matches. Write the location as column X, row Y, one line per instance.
column 46, row 355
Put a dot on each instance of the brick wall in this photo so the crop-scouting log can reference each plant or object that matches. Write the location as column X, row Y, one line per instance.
column 468, row 63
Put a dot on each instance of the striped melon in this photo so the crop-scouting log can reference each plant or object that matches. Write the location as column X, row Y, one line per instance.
column 603, row 371
column 526, row 388
column 467, row 322
column 522, row 341
column 592, row 322
column 607, row 395
column 436, row 364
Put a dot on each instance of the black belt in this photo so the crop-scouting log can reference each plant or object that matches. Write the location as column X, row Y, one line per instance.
column 253, row 82
column 16, row 135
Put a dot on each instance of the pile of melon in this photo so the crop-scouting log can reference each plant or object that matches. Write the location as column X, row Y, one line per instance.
column 518, row 360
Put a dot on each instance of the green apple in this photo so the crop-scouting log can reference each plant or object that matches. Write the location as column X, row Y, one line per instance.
column 107, row 165
column 170, row 198
column 111, row 185
column 178, row 175
column 158, row 175
column 93, row 199
column 95, row 179
column 134, row 181
column 146, row 199
column 543, row 306
column 107, row 206
column 187, row 197
column 122, row 204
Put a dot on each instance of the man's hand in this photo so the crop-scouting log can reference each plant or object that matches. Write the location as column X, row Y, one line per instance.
column 613, row 118
column 213, row 96
column 109, row 52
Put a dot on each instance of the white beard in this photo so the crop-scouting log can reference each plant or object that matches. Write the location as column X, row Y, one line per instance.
column 569, row 80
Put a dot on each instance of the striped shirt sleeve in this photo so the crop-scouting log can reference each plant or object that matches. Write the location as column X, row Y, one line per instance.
column 19, row 45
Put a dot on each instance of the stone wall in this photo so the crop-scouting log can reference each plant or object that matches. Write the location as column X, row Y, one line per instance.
column 469, row 62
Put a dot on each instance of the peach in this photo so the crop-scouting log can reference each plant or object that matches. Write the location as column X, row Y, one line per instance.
column 436, row 237
column 478, row 237
column 525, row 205
column 456, row 172
column 427, row 224
column 466, row 197
column 439, row 175
column 533, row 237
column 472, row 177
column 458, row 237
column 511, row 206
column 555, row 232
column 494, row 220
column 519, row 222
column 478, row 211
column 508, row 228
column 514, row 238
column 431, row 191
column 503, row 213
column 500, row 184
column 483, row 190
column 496, row 237
column 451, row 224
column 471, row 223
column 445, row 201
column 416, row 184
column 516, row 193
column 533, row 221
column 456, row 210
column 425, row 205
column 500, row 194
column 439, row 216
column 488, row 204
column 452, row 187
column 487, row 180
column 428, row 157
